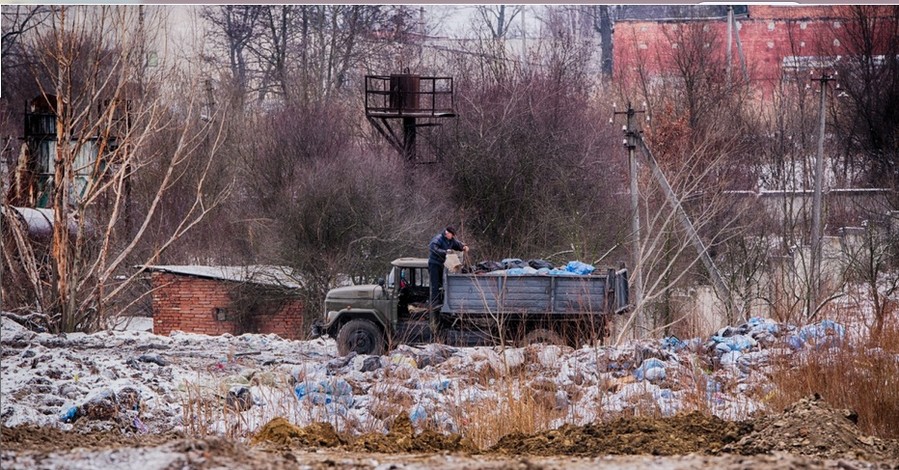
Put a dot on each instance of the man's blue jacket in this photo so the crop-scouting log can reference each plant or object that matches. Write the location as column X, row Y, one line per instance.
column 439, row 245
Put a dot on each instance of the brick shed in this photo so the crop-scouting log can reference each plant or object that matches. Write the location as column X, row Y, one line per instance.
column 215, row 300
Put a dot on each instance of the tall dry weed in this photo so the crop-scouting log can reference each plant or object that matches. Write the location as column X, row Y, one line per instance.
column 863, row 377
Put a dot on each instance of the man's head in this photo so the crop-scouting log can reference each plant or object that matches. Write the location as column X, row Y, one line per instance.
column 450, row 232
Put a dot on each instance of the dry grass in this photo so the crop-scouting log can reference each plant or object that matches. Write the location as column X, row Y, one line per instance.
column 863, row 377
column 517, row 408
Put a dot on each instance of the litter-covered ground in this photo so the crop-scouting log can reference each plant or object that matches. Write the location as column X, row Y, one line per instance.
column 121, row 393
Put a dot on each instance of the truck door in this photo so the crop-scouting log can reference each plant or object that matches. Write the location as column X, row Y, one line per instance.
column 622, row 295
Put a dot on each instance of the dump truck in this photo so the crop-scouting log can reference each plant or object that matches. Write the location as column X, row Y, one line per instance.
column 477, row 309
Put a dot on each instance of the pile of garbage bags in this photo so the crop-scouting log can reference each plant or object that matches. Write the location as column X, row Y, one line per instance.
column 518, row 267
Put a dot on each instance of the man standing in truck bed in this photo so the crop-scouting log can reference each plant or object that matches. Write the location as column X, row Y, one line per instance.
column 438, row 247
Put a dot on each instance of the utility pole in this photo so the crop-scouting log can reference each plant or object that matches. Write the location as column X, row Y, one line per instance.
column 730, row 41
column 718, row 282
column 815, row 278
column 524, row 37
column 630, row 143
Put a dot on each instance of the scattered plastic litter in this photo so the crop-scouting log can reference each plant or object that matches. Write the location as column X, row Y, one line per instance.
column 418, row 414
column 402, row 360
column 70, row 415
column 326, row 392
column 153, row 358
column 72, row 379
column 737, row 342
column 139, row 425
column 824, row 334
column 672, row 343
column 651, row 370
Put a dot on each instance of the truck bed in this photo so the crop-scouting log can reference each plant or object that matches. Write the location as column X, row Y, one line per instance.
column 530, row 294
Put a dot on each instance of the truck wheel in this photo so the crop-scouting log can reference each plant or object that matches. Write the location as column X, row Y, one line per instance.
column 360, row 336
column 542, row 335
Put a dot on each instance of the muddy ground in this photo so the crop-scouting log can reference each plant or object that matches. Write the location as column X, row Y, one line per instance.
column 808, row 434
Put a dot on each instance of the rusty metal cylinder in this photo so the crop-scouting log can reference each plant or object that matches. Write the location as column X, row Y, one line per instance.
column 404, row 91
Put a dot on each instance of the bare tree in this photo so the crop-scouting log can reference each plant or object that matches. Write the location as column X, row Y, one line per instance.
column 497, row 19
column 700, row 135
column 869, row 90
column 874, row 263
column 234, row 28
column 106, row 118
column 304, row 53
column 18, row 21
column 529, row 167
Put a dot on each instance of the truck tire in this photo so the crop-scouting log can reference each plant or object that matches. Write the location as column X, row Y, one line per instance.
column 542, row 335
column 360, row 336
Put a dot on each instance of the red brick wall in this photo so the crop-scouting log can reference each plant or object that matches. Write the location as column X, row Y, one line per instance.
column 188, row 303
column 768, row 35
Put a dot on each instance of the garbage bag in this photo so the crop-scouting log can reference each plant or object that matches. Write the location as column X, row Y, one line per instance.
column 511, row 263
column 652, row 370
column 539, row 263
column 733, row 343
column 487, row 266
column 577, row 267
column 762, row 325
column 418, row 414
column 70, row 415
column 561, row 272
column 826, row 333
column 672, row 343
column 326, row 392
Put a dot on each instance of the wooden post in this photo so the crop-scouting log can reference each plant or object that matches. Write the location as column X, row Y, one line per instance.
column 815, row 275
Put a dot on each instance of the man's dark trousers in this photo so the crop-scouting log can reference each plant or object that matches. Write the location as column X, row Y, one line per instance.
column 436, row 272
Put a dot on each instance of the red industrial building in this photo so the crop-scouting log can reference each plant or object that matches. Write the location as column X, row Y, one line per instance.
column 779, row 43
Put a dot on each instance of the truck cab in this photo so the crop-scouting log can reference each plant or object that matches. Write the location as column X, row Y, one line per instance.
column 364, row 318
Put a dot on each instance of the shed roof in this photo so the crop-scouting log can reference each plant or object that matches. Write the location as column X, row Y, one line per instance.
column 268, row 275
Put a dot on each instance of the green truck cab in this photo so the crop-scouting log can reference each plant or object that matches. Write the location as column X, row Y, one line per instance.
column 479, row 309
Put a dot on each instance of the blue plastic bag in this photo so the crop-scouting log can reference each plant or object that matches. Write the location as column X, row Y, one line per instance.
column 418, row 414
column 824, row 334
column 577, row 267
column 733, row 343
column 672, row 343
column 70, row 415
column 652, row 369
column 560, row 272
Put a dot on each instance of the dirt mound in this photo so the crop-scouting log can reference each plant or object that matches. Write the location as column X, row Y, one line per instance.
column 681, row 434
column 402, row 438
column 282, row 433
column 47, row 438
column 813, row 427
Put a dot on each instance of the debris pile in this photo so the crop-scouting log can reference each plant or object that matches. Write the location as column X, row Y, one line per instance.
column 813, row 427
column 137, row 382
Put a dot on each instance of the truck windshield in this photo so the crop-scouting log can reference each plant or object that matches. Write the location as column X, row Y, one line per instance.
column 391, row 278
